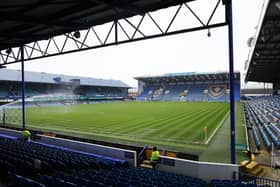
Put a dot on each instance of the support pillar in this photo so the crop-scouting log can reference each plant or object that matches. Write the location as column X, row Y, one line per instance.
column 22, row 86
column 231, row 80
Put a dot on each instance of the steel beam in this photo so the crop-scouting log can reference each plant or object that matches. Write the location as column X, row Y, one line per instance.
column 231, row 80
column 122, row 27
column 22, row 87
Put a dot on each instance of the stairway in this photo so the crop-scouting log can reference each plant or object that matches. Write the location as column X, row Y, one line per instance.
column 255, row 169
column 146, row 164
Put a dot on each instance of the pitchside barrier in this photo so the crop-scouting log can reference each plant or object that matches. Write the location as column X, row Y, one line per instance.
column 202, row 170
column 123, row 154
column 11, row 132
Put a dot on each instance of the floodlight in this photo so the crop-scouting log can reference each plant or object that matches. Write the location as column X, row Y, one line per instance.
column 77, row 34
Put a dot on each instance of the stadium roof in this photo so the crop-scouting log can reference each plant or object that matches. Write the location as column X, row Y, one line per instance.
column 189, row 76
column 25, row 21
column 37, row 77
column 264, row 57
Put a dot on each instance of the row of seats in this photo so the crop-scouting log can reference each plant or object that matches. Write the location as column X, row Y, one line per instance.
column 124, row 177
column 275, row 138
column 265, row 108
column 30, row 91
column 20, row 181
column 253, row 120
column 105, row 91
column 256, row 138
column 20, row 157
column 263, row 112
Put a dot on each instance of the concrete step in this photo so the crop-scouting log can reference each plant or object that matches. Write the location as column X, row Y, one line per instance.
column 146, row 162
column 244, row 163
column 251, row 165
column 146, row 166
column 256, row 171
column 262, row 174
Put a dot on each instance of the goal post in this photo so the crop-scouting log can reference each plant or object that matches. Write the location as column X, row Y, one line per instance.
column 11, row 114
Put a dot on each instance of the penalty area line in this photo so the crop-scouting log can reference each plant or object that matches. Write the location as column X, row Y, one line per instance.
column 221, row 123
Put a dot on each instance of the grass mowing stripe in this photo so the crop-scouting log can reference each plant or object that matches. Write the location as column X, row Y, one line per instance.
column 131, row 126
column 168, row 131
column 216, row 119
column 127, row 128
column 154, row 123
column 184, row 115
column 168, row 123
column 198, row 134
column 188, row 127
column 194, row 128
column 190, row 117
column 173, row 122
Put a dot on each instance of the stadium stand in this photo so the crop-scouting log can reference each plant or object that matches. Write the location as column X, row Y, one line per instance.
column 63, row 167
column 195, row 93
column 17, row 157
column 125, row 177
column 173, row 92
column 263, row 113
column 40, row 84
column 69, row 168
column 187, row 87
column 3, row 92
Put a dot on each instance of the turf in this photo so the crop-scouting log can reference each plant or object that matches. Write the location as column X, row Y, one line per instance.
column 218, row 149
column 172, row 125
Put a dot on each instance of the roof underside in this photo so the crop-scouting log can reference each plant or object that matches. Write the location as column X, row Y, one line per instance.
column 264, row 62
column 193, row 77
column 25, row 21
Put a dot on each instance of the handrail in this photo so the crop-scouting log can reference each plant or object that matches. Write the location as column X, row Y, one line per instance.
column 141, row 155
column 259, row 181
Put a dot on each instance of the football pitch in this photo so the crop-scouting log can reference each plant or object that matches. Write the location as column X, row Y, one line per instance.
column 174, row 125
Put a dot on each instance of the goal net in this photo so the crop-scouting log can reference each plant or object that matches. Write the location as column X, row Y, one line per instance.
column 11, row 114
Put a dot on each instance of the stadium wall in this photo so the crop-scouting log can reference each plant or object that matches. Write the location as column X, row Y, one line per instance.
column 203, row 170
column 11, row 132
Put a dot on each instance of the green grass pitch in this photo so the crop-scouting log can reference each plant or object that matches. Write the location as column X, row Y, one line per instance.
column 172, row 125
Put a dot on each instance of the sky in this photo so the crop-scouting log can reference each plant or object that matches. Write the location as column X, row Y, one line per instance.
column 188, row 52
